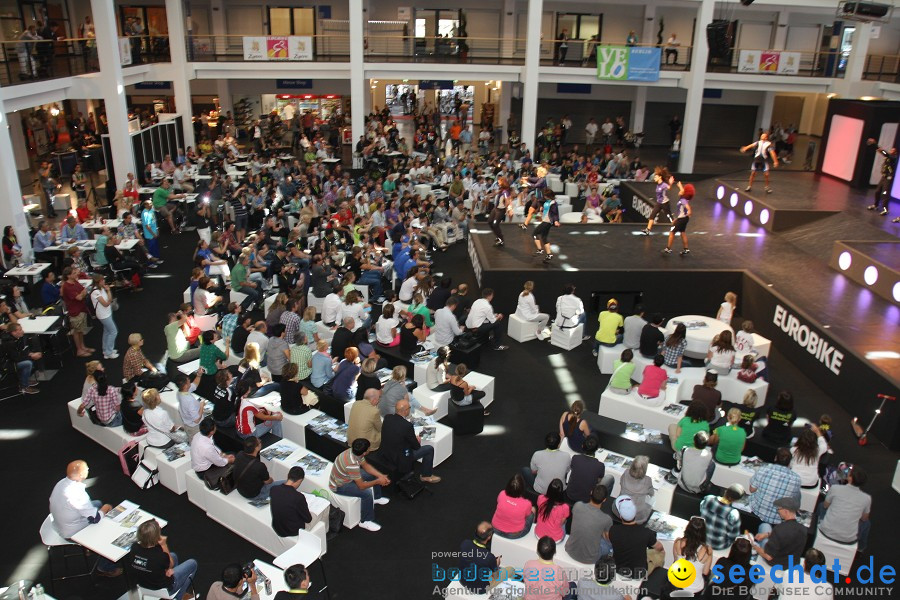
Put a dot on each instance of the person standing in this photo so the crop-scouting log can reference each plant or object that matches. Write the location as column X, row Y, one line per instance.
column 562, row 47
column 590, row 134
column 762, row 151
column 498, row 211
column 102, row 300
column 683, row 214
column 886, row 183
column 663, row 181
column 150, row 229
column 672, row 45
column 73, row 294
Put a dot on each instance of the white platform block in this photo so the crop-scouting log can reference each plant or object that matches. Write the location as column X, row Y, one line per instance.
column 567, row 339
column 521, row 330
column 563, row 199
column 482, row 382
column 845, row 553
column 312, row 300
column 571, row 189
column 237, row 297
column 607, row 356
column 186, row 295
column 434, row 400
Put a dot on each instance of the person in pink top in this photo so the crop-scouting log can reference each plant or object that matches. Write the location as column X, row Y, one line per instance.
column 552, row 512
column 654, row 381
column 545, row 580
column 515, row 513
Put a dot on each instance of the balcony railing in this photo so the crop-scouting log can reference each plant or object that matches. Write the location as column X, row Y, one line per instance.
column 882, row 67
column 25, row 61
column 231, row 48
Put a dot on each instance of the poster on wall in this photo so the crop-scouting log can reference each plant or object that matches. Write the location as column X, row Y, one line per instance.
column 125, row 51
column 275, row 48
column 622, row 63
column 769, row 61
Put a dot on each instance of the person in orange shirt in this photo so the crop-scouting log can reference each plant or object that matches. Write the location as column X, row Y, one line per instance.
column 455, row 130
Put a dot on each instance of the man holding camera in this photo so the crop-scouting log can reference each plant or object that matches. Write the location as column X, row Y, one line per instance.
column 236, row 582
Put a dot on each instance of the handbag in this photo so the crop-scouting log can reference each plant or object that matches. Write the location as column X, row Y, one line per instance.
column 335, row 514
column 149, row 379
column 219, row 478
column 146, row 474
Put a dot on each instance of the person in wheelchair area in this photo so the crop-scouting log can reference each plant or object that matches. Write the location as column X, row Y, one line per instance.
column 14, row 353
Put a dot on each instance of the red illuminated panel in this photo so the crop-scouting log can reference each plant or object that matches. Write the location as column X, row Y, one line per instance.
column 844, row 139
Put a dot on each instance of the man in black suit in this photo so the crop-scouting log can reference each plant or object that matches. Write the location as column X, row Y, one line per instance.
column 344, row 337
column 401, row 447
column 290, row 513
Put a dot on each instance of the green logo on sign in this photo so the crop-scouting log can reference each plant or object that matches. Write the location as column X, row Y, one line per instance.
column 612, row 62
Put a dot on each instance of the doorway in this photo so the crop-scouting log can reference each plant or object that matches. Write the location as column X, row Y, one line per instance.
column 292, row 21
column 435, row 30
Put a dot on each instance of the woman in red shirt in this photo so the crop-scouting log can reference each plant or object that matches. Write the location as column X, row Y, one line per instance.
column 654, row 381
column 515, row 513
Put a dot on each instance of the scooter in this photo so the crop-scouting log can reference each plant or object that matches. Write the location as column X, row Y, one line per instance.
column 863, row 434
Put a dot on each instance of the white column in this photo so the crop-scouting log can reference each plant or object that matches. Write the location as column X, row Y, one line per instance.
column 509, row 28
column 781, row 30
column 639, row 109
column 857, row 60
column 648, row 33
column 11, row 211
column 532, row 64
column 20, row 145
column 359, row 88
column 180, row 80
column 696, row 78
column 764, row 116
column 219, row 28
column 504, row 104
column 223, row 91
column 111, row 88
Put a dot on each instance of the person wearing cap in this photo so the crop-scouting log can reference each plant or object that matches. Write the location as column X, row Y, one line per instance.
column 777, row 544
column 611, row 329
column 635, row 547
column 723, row 521
column 683, row 214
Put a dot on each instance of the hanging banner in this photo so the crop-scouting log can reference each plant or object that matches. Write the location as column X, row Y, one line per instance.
column 277, row 48
column 125, row 51
column 622, row 63
column 769, row 61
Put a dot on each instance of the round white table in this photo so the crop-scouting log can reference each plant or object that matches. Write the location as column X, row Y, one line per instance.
column 699, row 339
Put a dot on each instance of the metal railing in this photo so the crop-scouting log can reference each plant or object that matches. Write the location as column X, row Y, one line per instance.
column 230, row 48
column 882, row 67
column 787, row 63
column 25, row 61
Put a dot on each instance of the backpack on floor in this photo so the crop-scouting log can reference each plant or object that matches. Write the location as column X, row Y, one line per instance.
column 146, row 473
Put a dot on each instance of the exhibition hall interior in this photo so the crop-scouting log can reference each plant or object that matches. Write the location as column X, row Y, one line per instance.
column 545, row 299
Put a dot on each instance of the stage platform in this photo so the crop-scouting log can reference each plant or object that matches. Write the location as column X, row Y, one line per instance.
column 836, row 329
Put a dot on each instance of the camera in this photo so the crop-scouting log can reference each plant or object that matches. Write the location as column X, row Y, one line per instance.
column 247, row 570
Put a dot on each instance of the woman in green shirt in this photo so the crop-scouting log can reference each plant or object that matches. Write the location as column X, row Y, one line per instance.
column 620, row 382
column 730, row 438
column 211, row 355
column 419, row 307
column 681, row 434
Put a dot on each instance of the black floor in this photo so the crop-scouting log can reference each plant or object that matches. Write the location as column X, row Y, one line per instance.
column 37, row 441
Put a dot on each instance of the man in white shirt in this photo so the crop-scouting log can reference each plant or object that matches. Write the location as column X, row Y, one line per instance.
column 190, row 408
column 446, row 328
column 672, row 48
column 409, row 285
column 180, row 180
column 607, row 128
column 72, row 510
column 569, row 310
column 590, row 132
column 206, row 458
column 483, row 320
column 331, row 307
column 634, row 324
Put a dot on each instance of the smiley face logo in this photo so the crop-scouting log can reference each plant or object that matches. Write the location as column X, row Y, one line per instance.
column 682, row 573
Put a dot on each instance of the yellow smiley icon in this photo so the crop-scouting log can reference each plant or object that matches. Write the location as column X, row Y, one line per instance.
column 682, row 573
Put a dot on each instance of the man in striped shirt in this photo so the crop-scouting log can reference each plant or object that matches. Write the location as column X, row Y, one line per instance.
column 291, row 321
column 353, row 476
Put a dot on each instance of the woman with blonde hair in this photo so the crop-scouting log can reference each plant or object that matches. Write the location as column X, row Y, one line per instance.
column 322, row 365
column 135, row 361
column 279, row 305
column 309, row 326
column 248, row 370
column 161, row 431
column 573, row 427
column 395, row 390
column 354, row 308
column 418, row 307
column 152, row 565
column 527, row 310
column 726, row 309
column 90, row 368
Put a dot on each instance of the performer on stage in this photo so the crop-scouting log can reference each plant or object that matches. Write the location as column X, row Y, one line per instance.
column 663, row 182
column 888, row 168
column 549, row 218
column 682, row 216
column 502, row 201
column 762, row 151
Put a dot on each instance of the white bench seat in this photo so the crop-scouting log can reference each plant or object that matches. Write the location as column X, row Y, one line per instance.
column 727, row 475
column 521, row 330
column 111, row 438
column 567, row 339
